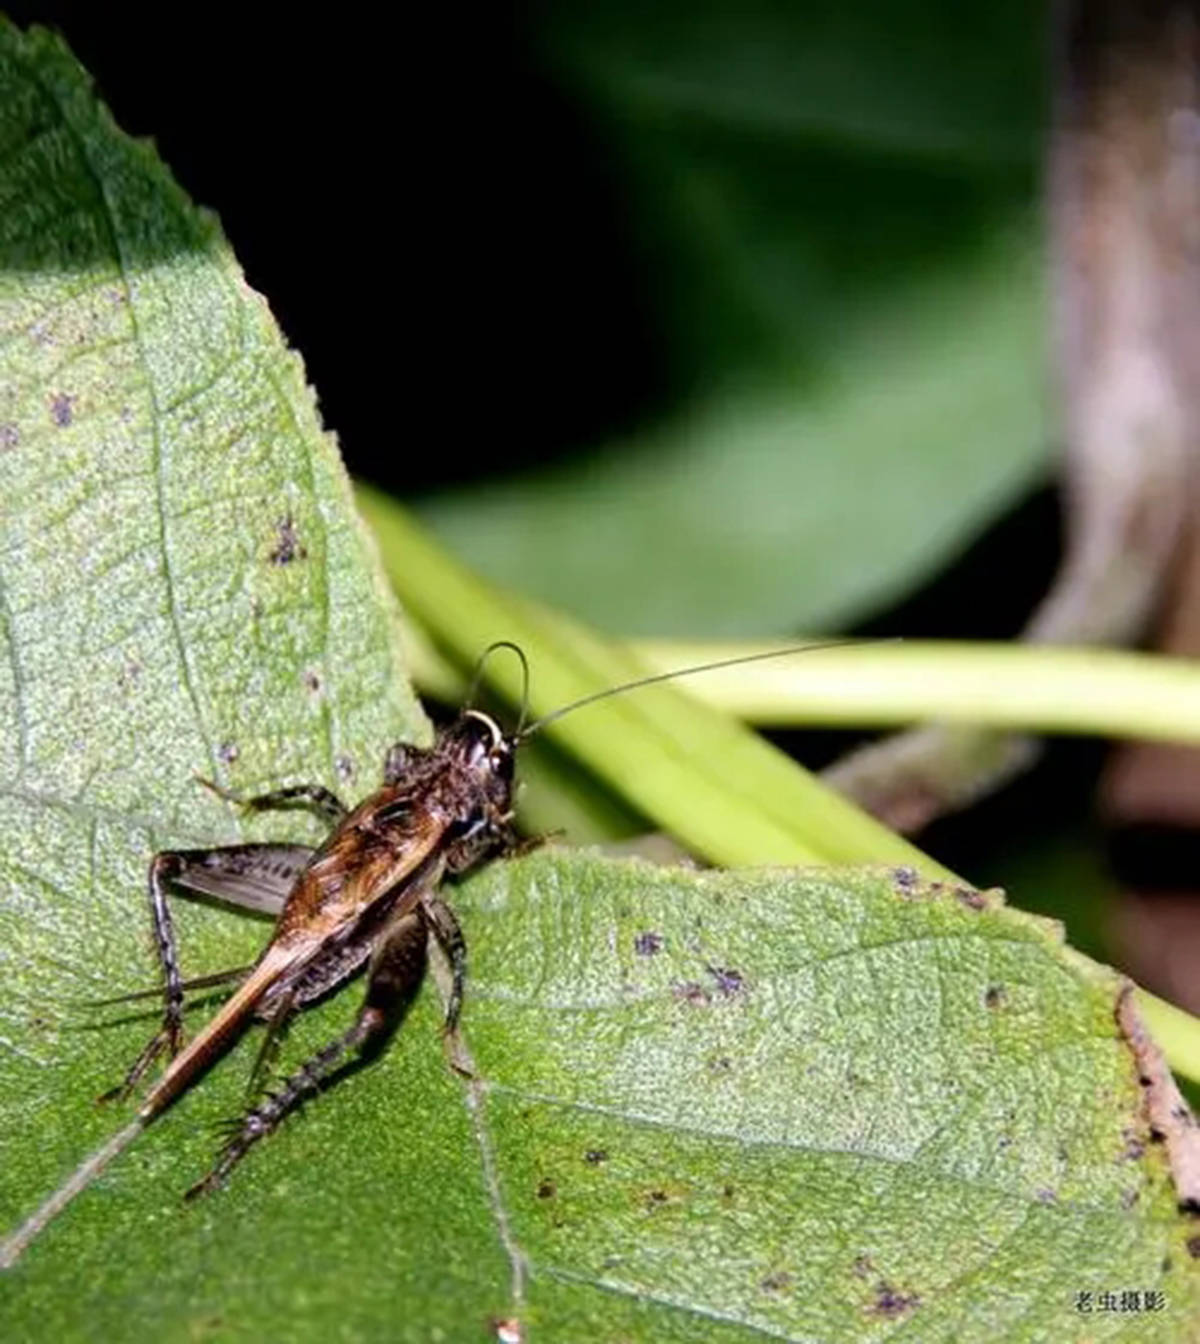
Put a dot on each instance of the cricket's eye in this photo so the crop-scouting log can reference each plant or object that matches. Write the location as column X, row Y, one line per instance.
column 483, row 737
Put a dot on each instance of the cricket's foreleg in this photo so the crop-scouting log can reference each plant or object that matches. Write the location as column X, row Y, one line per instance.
column 449, row 934
column 326, row 804
column 396, row 971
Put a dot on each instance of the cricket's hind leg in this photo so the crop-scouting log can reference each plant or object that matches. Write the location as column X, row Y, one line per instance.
column 396, row 971
column 255, row 877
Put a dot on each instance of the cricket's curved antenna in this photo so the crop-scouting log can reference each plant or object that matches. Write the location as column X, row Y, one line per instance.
column 538, row 724
column 478, row 676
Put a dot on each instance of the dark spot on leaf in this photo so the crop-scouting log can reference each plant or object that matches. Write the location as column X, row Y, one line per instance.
column 1134, row 1147
column 1193, row 1247
column 729, row 981
column 777, row 1282
column 973, row 900
column 648, row 944
column 1166, row 1264
column 546, row 1190
column 655, row 1198
column 10, row 436
column 891, row 1303
column 691, row 992
column 727, row 1192
column 345, row 769
column 62, row 409
column 905, row 880
column 228, row 752
column 312, row 681
column 287, row 544
column 994, row 996
column 1045, row 1196
column 594, row 1156
column 862, row 1266
column 722, row 1064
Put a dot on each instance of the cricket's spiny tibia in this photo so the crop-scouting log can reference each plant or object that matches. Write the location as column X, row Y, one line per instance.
column 397, row 970
column 265, row 1117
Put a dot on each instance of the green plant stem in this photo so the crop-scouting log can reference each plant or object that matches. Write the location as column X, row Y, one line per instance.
column 1176, row 1031
column 726, row 794
column 1032, row 688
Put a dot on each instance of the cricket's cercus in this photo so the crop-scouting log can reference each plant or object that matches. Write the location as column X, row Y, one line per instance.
column 367, row 898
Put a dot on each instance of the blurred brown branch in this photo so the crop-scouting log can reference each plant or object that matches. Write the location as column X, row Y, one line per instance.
column 1124, row 227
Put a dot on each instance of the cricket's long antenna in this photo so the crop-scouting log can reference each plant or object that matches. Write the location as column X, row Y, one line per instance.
column 478, row 675
column 83, row 1175
column 541, row 723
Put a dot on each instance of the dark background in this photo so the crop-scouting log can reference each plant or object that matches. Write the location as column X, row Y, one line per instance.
column 408, row 193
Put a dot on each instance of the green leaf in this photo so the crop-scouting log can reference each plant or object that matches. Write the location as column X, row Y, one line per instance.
column 836, row 237
column 813, row 1105
column 185, row 590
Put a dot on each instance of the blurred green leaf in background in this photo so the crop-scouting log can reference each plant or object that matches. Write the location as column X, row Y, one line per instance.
column 832, row 212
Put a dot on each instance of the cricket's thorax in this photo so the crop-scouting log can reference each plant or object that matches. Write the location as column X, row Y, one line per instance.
column 452, row 806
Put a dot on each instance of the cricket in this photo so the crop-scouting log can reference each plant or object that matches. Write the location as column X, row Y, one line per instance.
column 368, row 899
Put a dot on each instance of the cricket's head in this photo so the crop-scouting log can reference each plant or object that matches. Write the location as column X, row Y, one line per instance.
column 483, row 752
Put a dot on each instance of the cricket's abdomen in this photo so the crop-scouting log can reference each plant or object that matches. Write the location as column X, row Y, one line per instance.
column 232, row 1018
column 377, row 849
